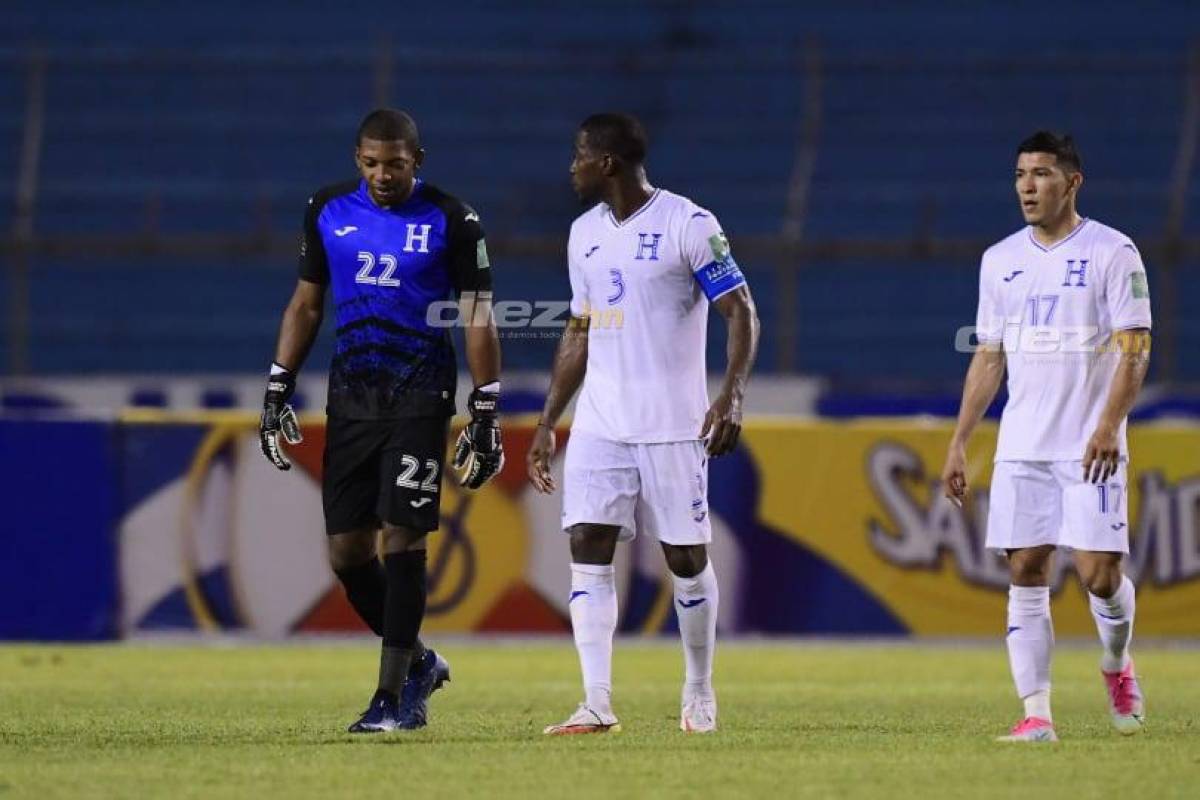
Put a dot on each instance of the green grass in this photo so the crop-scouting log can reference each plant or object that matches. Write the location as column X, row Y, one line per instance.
column 811, row 720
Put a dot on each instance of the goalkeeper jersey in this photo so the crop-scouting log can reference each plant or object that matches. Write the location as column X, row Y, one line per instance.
column 385, row 267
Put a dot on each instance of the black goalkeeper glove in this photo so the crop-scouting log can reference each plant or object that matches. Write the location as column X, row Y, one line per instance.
column 479, row 452
column 279, row 417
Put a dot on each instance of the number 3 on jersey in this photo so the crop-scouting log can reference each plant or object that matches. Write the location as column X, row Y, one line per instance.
column 367, row 260
column 619, row 283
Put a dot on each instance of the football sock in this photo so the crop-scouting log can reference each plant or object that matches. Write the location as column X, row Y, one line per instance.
column 366, row 589
column 696, row 603
column 403, row 612
column 1030, row 641
column 593, row 606
column 1038, row 705
column 393, row 669
column 1114, row 622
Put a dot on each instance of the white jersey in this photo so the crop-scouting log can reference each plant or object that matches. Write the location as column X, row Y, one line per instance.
column 1055, row 310
column 645, row 284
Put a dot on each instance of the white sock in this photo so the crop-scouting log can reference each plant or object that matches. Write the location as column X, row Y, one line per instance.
column 1038, row 705
column 696, row 602
column 1030, row 641
column 1114, row 622
column 593, row 606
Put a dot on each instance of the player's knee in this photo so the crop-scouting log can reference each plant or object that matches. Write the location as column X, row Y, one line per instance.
column 398, row 539
column 686, row 561
column 348, row 550
column 1101, row 579
column 593, row 544
column 1029, row 567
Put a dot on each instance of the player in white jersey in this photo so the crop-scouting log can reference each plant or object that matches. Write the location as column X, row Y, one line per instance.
column 1064, row 303
column 645, row 265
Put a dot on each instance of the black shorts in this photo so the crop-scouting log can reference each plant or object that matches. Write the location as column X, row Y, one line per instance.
column 383, row 470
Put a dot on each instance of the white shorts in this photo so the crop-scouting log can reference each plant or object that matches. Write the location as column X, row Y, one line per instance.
column 658, row 489
column 1035, row 503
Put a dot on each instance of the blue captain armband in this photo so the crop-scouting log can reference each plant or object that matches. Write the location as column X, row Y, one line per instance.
column 720, row 277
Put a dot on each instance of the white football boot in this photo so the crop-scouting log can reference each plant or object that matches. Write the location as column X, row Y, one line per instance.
column 585, row 720
column 699, row 714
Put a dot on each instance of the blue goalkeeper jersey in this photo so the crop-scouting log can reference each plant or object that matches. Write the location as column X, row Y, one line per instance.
column 385, row 267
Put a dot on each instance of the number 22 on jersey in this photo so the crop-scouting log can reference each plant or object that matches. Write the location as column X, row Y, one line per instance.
column 367, row 262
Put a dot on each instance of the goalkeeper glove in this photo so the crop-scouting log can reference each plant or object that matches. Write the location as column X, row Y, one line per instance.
column 479, row 452
column 278, row 417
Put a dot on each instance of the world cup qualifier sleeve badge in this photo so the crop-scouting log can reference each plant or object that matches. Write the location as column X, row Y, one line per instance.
column 719, row 245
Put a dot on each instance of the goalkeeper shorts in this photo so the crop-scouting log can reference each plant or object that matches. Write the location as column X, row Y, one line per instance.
column 383, row 471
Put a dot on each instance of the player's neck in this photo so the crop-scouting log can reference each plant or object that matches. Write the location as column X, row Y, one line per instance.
column 628, row 193
column 1052, row 233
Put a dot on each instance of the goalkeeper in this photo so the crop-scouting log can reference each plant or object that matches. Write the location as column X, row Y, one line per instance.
column 389, row 245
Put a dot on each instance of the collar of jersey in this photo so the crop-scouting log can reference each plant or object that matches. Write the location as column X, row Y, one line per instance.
column 611, row 218
column 1083, row 221
column 366, row 195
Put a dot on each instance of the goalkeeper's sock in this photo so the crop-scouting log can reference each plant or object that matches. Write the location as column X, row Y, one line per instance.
column 1030, row 643
column 593, row 606
column 696, row 602
column 394, row 663
column 404, row 611
column 366, row 589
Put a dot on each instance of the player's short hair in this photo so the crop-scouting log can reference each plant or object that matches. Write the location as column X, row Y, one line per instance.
column 617, row 134
column 389, row 125
column 1060, row 145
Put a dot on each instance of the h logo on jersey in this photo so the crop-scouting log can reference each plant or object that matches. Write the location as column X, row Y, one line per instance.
column 420, row 239
column 647, row 243
column 1079, row 272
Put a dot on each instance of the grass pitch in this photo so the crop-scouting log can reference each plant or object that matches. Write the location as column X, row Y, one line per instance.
column 797, row 720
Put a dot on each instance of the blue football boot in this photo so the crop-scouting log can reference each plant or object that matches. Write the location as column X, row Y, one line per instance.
column 425, row 676
column 381, row 716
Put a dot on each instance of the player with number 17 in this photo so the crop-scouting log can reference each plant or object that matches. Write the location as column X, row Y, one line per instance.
column 1064, row 308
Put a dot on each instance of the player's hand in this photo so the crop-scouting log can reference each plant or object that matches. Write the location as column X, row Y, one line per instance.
column 537, row 462
column 722, row 424
column 1102, row 455
column 279, row 417
column 954, row 474
column 479, row 451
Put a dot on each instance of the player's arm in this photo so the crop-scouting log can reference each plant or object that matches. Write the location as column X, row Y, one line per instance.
column 297, row 332
column 570, row 367
column 479, row 450
column 1128, row 297
column 707, row 252
column 566, row 375
column 482, row 340
column 1103, row 451
column 723, row 422
column 300, row 325
column 984, row 376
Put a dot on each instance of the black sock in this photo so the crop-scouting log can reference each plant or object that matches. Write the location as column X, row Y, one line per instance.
column 393, row 669
column 366, row 589
column 404, row 610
